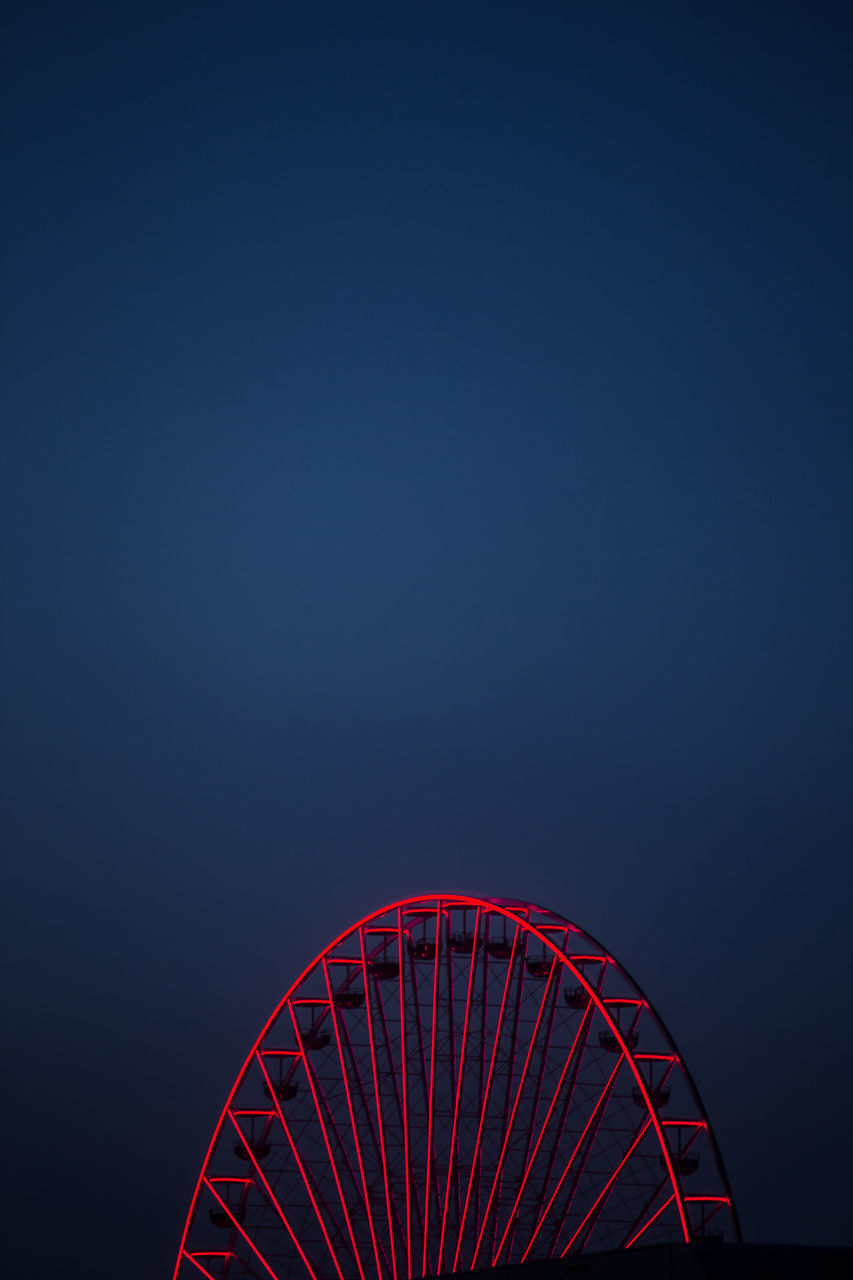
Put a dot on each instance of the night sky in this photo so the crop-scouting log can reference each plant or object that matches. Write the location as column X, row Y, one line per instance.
column 427, row 467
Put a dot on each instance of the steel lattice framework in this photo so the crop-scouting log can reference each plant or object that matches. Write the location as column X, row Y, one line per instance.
column 454, row 1083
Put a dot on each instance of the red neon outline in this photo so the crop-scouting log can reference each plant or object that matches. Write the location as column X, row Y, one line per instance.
column 544, row 1058
column 652, row 1219
column 382, row 1025
column 301, row 1167
column 542, row 1131
column 380, row 1127
column 248, row 1240
column 519, row 919
column 404, row 1109
column 334, row 1167
column 433, row 1036
column 198, row 1264
column 356, row 1077
column 260, row 1174
column 335, row 1018
column 511, row 1122
column 499, row 1028
column 458, row 1097
column 605, row 1191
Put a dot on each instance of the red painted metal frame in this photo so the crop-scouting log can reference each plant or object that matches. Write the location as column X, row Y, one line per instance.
column 485, row 1106
column 605, row 1008
column 315, row 1094
column 379, row 1122
column 458, row 1095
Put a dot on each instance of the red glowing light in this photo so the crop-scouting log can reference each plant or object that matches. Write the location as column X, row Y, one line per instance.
column 366, row 1144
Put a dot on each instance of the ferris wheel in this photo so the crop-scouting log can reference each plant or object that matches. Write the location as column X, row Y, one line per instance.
column 454, row 1084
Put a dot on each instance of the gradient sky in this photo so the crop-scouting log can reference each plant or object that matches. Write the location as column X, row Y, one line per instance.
column 427, row 467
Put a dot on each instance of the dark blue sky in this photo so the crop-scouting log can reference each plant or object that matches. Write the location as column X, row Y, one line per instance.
column 427, row 466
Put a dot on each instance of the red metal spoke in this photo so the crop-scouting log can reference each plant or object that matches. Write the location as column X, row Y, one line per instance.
column 632, row 1232
column 458, row 1096
column 580, row 1170
column 301, row 1167
column 598, row 1203
column 379, row 1122
column 338, row 1020
column 198, row 1265
column 455, row 1081
column 513, row 1044
column 485, row 1103
column 635, row 1237
column 249, row 1242
column 508, row 1123
column 717, row 1201
column 421, row 1063
column 405, row 1091
column 595, row 1115
column 312, row 1084
column 381, row 1027
column 431, row 1104
column 259, row 1174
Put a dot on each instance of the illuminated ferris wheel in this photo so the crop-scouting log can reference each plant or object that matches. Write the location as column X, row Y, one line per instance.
column 454, row 1084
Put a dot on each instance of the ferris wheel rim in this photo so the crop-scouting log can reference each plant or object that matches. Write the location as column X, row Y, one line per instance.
column 511, row 910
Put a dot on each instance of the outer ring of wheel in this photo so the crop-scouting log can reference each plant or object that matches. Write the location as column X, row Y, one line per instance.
column 499, row 906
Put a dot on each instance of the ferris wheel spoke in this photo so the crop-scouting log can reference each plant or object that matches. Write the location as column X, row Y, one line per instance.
column 404, row 1106
column 639, row 1225
column 461, row 1107
column 381, row 1028
column 570, row 1070
column 543, row 1061
column 586, row 1139
column 245, row 1139
column 511, row 1056
column 473, row 1176
column 423, row 1080
column 363, row 1095
column 368, row 1004
column 587, row 1225
column 340, row 1032
column 632, row 1239
column 580, row 1166
column 225, row 1208
column 430, row 1165
column 302, row 1169
column 354, row 1077
column 319, row 1100
column 551, row 989
column 454, row 1155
